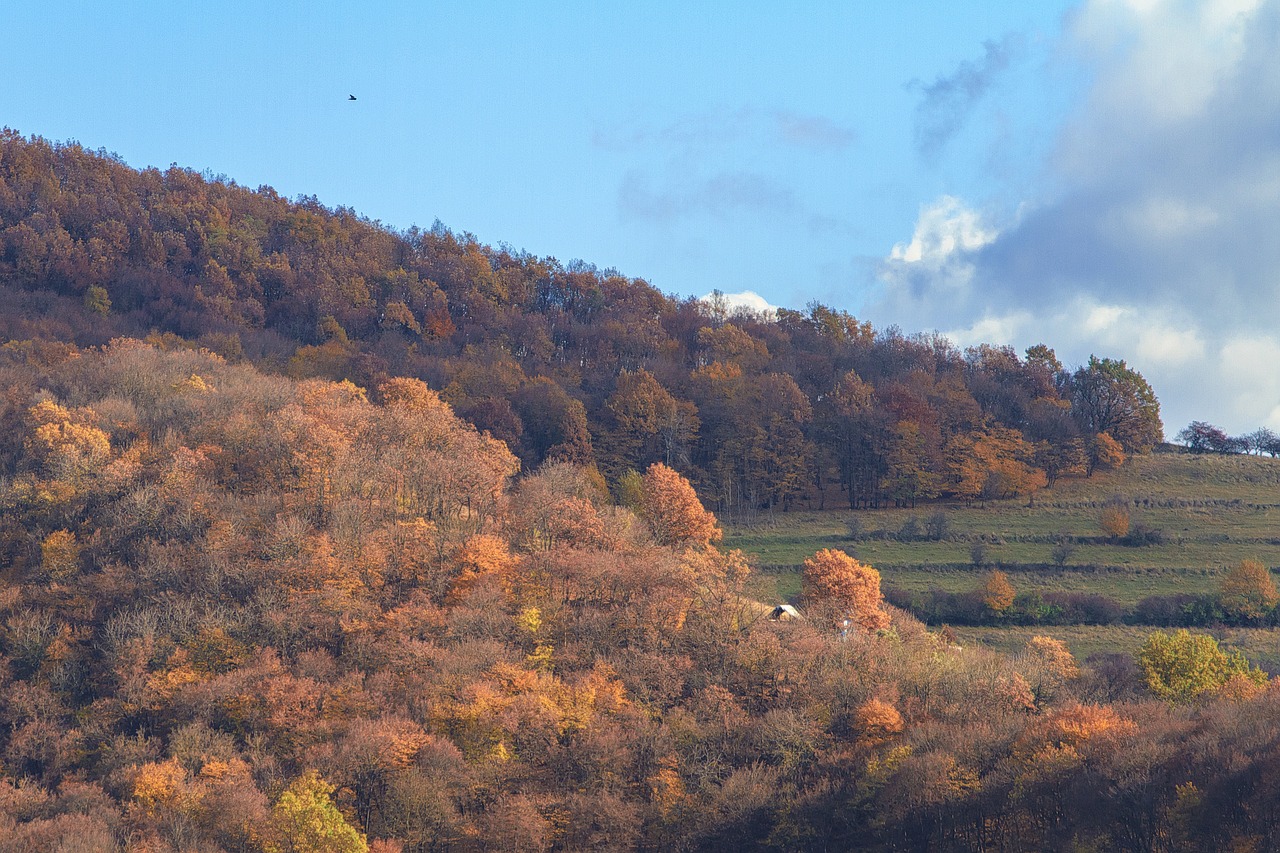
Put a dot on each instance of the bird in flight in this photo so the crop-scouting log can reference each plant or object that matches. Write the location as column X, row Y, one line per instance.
column 351, row 97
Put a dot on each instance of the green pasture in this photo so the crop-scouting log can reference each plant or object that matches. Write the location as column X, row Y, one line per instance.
column 1259, row 645
column 1211, row 512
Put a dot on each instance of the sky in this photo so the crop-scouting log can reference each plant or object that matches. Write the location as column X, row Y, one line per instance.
column 1102, row 176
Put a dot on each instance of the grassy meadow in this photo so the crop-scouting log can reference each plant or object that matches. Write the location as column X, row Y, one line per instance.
column 1208, row 512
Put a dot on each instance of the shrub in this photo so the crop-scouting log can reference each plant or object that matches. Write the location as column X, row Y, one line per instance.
column 1248, row 593
column 1114, row 520
column 978, row 554
column 1140, row 535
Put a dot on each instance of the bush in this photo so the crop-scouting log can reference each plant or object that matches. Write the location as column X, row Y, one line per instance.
column 1140, row 534
column 1084, row 608
column 1114, row 520
column 1182, row 610
column 1036, row 609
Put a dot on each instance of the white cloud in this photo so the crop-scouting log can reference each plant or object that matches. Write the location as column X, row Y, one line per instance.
column 1193, row 45
column 1246, row 368
column 748, row 299
column 1001, row 329
column 1153, row 239
column 1154, row 337
column 944, row 228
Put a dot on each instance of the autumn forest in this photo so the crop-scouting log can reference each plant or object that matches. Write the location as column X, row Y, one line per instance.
column 320, row 536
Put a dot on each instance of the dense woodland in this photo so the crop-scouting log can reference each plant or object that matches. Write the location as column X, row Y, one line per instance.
column 561, row 362
column 247, row 606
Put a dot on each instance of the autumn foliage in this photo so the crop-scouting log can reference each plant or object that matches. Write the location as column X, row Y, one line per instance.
column 1249, row 591
column 332, row 560
column 246, row 612
column 997, row 593
column 671, row 509
column 848, row 589
column 563, row 363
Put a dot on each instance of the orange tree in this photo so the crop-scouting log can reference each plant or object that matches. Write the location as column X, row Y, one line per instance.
column 836, row 582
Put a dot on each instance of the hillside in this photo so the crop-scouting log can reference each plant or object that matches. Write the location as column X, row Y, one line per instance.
column 237, row 604
column 317, row 537
column 1193, row 519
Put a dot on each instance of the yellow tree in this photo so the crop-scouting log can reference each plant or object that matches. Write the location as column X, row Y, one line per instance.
column 997, row 593
column 1249, row 591
column 59, row 554
column 66, row 442
column 1114, row 520
column 877, row 721
column 1182, row 666
column 480, row 557
column 834, row 580
column 1047, row 664
column 305, row 820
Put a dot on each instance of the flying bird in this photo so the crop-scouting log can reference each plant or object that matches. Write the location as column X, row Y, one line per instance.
column 351, row 97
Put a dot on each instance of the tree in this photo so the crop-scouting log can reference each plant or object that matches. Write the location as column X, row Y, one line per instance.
column 1107, row 396
column 997, row 593
column 645, row 424
column 1265, row 441
column 991, row 464
column 59, row 553
column 555, row 424
column 877, row 721
column 1047, row 664
column 834, row 580
column 909, row 478
column 671, row 509
column 1103, row 452
column 1114, row 520
column 1201, row 437
column 1249, row 592
column 1183, row 666
column 305, row 820
column 97, row 300
column 856, row 434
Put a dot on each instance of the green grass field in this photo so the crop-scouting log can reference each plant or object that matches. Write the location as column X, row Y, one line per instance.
column 1211, row 513
column 1260, row 645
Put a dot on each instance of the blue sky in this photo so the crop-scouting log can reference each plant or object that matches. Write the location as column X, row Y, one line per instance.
column 1094, row 174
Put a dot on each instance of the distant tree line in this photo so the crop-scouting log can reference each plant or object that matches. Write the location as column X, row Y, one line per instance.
column 1202, row 437
column 561, row 361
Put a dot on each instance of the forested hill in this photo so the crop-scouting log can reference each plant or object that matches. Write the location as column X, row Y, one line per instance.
column 254, row 612
column 564, row 362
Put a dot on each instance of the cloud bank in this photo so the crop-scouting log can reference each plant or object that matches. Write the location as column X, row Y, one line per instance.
column 1161, row 241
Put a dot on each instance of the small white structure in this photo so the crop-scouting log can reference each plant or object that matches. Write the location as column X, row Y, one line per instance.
column 784, row 613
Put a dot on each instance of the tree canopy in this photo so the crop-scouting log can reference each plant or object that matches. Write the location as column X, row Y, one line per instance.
column 560, row 361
